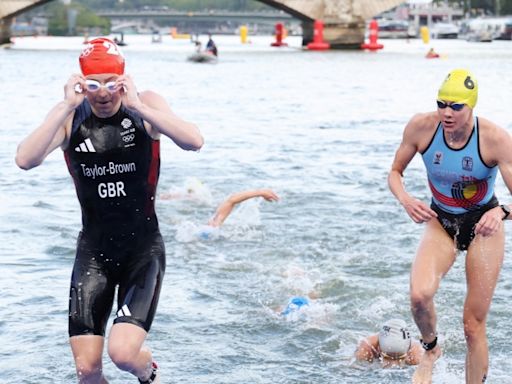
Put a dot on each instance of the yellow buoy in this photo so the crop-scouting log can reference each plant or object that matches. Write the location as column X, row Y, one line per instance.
column 425, row 34
column 243, row 34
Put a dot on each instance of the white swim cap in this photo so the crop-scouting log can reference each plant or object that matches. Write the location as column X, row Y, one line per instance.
column 394, row 337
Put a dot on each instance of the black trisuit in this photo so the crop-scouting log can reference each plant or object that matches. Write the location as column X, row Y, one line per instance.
column 115, row 165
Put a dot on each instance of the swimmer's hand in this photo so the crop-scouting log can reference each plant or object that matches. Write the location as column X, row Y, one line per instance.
column 490, row 222
column 418, row 211
column 73, row 90
column 129, row 94
column 268, row 195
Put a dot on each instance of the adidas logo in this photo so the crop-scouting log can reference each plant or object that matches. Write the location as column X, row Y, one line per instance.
column 86, row 146
column 124, row 311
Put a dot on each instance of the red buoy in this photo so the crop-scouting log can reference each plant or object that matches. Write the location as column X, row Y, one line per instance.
column 318, row 43
column 372, row 45
column 279, row 36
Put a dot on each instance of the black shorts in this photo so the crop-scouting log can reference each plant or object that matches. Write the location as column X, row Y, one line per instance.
column 137, row 271
column 461, row 227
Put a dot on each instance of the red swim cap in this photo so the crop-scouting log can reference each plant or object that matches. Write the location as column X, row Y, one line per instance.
column 101, row 55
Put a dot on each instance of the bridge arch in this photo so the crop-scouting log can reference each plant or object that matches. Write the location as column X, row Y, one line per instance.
column 344, row 20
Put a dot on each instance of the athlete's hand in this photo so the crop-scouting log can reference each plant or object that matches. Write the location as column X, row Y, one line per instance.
column 490, row 222
column 269, row 195
column 129, row 95
column 74, row 90
column 417, row 210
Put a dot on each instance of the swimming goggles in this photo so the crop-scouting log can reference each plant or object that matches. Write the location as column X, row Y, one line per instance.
column 95, row 86
column 455, row 106
column 394, row 356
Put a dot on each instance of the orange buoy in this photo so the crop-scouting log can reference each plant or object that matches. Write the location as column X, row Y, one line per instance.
column 279, row 36
column 372, row 45
column 318, row 43
column 431, row 54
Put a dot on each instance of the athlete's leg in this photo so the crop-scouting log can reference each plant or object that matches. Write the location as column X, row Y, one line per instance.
column 139, row 292
column 127, row 351
column 87, row 352
column 483, row 264
column 90, row 303
column 435, row 256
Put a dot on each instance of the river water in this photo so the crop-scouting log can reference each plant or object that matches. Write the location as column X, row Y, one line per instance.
column 319, row 128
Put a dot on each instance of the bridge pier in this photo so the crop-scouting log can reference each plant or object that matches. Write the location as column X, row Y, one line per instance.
column 5, row 31
column 340, row 35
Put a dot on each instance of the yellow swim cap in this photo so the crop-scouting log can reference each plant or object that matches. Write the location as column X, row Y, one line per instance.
column 460, row 86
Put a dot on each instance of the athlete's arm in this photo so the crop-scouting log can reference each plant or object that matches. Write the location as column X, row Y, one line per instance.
column 154, row 109
column 52, row 132
column 414, row 354
column 367, row 349
column 225, row 208
column 416, row 209
column 495, row 148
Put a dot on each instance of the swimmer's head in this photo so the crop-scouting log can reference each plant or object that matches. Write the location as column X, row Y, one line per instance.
column 193, row 185
column 460, row 86
column 394, row 338
column 101, row 56
column 294, row 304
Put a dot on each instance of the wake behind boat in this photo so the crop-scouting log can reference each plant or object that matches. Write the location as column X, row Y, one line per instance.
column 202, row 57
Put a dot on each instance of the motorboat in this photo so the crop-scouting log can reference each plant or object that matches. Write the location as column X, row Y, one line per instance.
column 202, row 57
column 444, row 31
column 393, row 29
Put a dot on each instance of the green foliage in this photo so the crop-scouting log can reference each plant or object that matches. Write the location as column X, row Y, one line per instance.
column 85, row 19
column 57, row 22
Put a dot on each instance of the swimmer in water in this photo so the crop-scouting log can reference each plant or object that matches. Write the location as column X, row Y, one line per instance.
column 193, row 189
column 294, row 305
column 226, row 207
column 392, row 346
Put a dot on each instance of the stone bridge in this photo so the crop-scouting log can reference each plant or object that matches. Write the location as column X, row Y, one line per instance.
column 344, row 20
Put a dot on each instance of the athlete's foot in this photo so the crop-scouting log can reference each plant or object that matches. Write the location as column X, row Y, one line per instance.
column 423, row 374
column 154, row 378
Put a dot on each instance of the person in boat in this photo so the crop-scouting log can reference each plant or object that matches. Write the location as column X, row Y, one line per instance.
column 211, row 47
column 462, row 154
column 392, row 346
column 110, row 135
column 431, row 54
column 198, row 46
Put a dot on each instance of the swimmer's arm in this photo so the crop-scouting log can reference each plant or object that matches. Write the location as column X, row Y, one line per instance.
column 504, row 160
column 161, row 119
column 225, row 208
column 496, row 143
column 414, row 354
column 416, row 209
column 367, row 349
column 52, row 132
column 46, row 138
column 403, row 156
